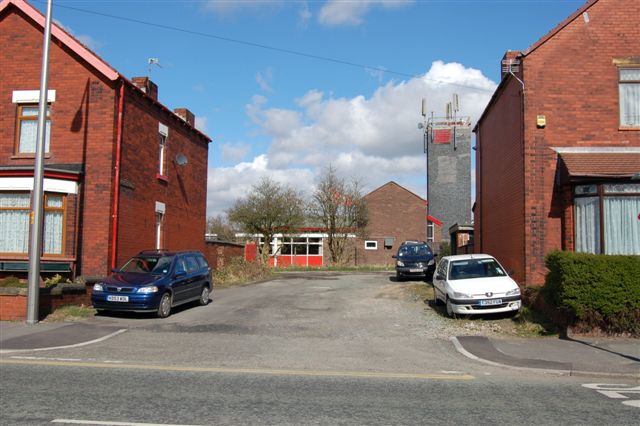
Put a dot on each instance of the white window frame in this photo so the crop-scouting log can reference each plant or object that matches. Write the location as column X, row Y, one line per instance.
column 163, row 134
column 160, row 211
column 371, row 245
column 623, row 102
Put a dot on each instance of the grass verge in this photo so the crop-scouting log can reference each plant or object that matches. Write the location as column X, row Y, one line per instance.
column 71, row 313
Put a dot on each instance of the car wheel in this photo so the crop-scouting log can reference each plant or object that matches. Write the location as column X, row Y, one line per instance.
column 164, row 309
column 204, row 296
column 450, row 312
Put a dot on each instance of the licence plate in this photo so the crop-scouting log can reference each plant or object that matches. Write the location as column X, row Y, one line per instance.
column 415, row 270
column 118, row 298
column 491, row 302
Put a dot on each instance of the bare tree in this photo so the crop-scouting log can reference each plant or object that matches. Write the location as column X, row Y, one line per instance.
column 341, row 208
column 269, row 208
column 220, row 227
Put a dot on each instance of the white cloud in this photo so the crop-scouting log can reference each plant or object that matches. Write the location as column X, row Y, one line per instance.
column 229, row 7
column 373, row 138
column 264, row 79
column 87, row 40
column 201, row 124
column 339, row 12
column 227, row 184
column 234, row 152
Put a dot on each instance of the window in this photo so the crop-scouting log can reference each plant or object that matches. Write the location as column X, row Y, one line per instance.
column 163, row 133
column 607, row 218
column 430, row 228
column 159, row 230
column 629, row 89
column 27, row 131
column 371, row 245
column 15, row 209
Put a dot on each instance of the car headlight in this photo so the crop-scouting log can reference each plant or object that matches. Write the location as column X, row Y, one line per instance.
column 514, row 292
column 98, row 287
column 431, row 262
column 146, row 290
column 462, row 295
column 400, row 263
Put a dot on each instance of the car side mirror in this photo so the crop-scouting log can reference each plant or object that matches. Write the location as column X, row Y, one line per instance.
column 180, row 274
column 115, row 270
column 435, row 254
column 439, row 277
column 510, row 272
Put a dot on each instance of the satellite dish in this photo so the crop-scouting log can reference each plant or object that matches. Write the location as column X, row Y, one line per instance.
column 181, row 160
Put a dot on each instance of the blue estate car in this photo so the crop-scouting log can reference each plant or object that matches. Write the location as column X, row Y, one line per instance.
column 155, row 281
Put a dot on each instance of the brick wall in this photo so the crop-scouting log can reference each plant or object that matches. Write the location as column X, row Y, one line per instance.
column 394, row 212
column 183, row 191
column 570, row 79
column 13, row 301
column 219, row 253
column 82, row 128
column 499, row 214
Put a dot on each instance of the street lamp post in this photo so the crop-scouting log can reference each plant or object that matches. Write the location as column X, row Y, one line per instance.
column 37, row 195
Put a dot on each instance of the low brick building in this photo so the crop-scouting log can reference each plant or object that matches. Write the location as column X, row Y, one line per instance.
column 558, row 146
column 395, row 215
column 123, row 173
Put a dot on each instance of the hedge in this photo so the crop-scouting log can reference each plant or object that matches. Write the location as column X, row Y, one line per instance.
column 594, row 291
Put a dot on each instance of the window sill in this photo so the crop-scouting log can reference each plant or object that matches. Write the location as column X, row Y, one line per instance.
column 28, row 156
column 629, row 129
column 163, row 178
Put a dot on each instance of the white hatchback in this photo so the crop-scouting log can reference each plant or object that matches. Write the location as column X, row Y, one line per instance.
column 474, row 284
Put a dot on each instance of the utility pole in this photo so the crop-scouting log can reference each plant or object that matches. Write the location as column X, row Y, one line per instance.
column 37, row 195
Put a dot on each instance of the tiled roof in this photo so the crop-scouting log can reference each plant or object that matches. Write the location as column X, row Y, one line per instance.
column 602, row 164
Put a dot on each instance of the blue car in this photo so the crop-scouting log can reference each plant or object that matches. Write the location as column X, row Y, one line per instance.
column 414, row 259
column 155, row 281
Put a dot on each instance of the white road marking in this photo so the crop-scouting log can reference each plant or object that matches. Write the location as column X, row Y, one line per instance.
column 617, row 391
column 9, row 351
column 109, row 423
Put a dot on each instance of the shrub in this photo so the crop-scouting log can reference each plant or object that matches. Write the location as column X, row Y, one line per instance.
column 239, row 271
column 594, row 291
column 12, row 281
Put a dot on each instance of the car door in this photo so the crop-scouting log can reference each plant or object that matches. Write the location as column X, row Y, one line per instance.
column 440, row 278
column 181, row 281
column 194, row 284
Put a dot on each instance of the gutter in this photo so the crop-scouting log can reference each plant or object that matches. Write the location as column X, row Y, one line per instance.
column 116, row 191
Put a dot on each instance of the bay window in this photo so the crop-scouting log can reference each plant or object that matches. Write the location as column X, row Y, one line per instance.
column 14, row 223
column 607, row 218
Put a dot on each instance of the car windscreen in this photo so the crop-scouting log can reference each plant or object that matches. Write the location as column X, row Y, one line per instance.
column 148, row 265
column 415, row 250
column 475, row 268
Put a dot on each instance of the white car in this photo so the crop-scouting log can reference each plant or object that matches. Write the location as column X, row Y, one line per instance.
column 474, row 284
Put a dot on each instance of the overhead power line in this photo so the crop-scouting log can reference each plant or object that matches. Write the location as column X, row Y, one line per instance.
column 268, row 47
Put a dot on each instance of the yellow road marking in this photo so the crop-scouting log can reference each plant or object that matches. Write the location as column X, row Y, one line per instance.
column 273, row 372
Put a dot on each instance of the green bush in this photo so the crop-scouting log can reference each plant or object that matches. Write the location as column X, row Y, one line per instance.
column 12, row 281
column 239, row 271
column 594, row 291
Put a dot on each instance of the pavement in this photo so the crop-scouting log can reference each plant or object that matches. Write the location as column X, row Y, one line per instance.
column 578, row 356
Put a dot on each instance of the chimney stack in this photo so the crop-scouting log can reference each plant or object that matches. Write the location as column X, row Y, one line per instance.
column 147, row 86
column 510, row 61
column 186, row 115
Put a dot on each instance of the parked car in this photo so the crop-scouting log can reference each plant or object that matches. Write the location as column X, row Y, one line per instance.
column 155, row 281
column 474, row 284
column 414, row 259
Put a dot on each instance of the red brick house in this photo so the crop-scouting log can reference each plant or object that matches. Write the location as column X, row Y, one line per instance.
column 395, row 215
column 122, row 172
column 558, row 146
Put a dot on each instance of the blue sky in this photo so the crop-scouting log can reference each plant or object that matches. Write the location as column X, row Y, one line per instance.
column 274, row 113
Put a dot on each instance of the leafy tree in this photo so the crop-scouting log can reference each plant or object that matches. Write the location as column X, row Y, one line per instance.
column 341, row 208
column 269, row 208
column 220, row 226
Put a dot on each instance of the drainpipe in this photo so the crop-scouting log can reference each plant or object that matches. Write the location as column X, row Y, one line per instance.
column 116, row 192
